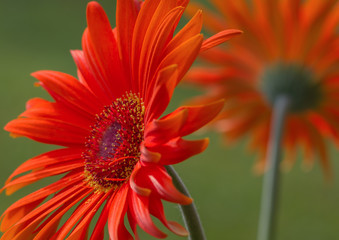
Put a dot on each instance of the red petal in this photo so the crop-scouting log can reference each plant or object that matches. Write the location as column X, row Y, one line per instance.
column 139, row 211
column 118, row 208
column 134, row 185
column 163, row 185
column 41, row 108
column 26, row 204
column 84, row 68
column 52, row 170
column 156, row 178
column 84, row 212
column 149, row 156
column 106, row 51
column 98, row 232
column 69, row 91
column 49, row 158
column 157, row 210
column 24, row 228
column 47, row 131
column 126, row 15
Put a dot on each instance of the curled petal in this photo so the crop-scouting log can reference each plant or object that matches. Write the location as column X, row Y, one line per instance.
column 134, row 184
column 219, row 38
column 156, row 209
column 197, row 117
column 178, row 150
column 157, row 179
column 160, row 131
column 149, row 156
column 139, row 210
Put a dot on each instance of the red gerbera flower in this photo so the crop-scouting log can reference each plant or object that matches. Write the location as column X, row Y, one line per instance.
column 115, row 145
column 290, row 47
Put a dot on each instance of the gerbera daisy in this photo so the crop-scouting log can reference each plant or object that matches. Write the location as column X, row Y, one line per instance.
column 115, row 145
column 290, row 48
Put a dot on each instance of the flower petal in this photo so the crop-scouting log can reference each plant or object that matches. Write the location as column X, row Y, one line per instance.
column 26, row 204
column 45, row 159
column 118, row 208
column 160, row 131
column 197, row 117
column 69, row 91
column 106, row 50
column 156, row 209
column 162, row 93
column 24, row 228
column 47, row 131
column 178, row 150
column 85, row 69
column 219, row 38
column 138, row 207
column 183, row 56
column 32, row 177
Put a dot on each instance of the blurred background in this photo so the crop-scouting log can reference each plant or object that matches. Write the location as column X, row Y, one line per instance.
column 37, row 35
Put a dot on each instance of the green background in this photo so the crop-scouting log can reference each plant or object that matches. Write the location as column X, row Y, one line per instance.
column 36, row 35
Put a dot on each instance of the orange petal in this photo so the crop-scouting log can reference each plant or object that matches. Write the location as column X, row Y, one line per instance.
column 178, row 150
column 183, row 55
column 161, row 93
column 199, row 116
column 219, row 38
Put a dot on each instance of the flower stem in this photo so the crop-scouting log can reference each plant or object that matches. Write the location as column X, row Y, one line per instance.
column 189, row 212
column 271, row 177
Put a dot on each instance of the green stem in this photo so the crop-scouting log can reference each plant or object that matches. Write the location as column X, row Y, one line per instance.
column 271, row 178
column 189, row 212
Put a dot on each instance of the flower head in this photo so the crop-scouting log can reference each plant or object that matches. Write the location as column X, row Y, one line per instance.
column 289, row 47
column 107, row 120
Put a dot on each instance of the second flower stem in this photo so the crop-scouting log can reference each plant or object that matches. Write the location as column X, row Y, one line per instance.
column 189, row 212
column 271, row 177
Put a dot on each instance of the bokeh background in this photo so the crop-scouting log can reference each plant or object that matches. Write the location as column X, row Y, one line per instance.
column 37, row 34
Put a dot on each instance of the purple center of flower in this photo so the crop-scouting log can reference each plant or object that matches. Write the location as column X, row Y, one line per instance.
column 113, row 148
column 110, row 141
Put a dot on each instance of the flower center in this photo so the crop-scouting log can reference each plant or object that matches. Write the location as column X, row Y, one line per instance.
column 112, row 149
column 295, row 82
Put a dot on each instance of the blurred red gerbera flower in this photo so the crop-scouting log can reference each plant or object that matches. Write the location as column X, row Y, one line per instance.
column 290, row 47
column 115, row 145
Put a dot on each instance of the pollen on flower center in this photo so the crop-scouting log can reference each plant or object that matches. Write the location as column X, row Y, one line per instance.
column 112, row 149
column 295, row 82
